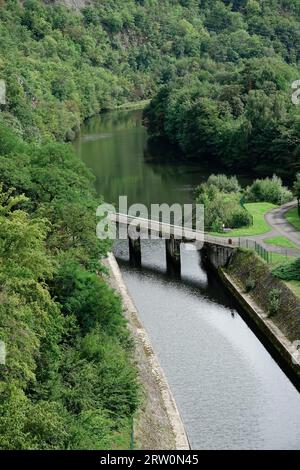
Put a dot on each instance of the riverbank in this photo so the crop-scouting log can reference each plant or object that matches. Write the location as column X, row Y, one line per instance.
column 72, row 135
column 131, row 105
column 250, row 281
column 158, row 425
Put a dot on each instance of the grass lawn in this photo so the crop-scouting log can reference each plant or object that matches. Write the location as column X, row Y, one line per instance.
column 259, row 227
column 293, row 218
column 276, row 259
column 280, row 241
column 294, row 286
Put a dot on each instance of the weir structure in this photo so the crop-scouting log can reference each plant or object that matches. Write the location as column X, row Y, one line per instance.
column 216, row 249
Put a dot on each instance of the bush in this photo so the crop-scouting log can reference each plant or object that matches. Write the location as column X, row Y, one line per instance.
column 268, row 190
column 222, row 207
column 250, row 285
column 88, row 297
column 226, row 184
column 274, row 301
column 240, row 217
column 288, row 272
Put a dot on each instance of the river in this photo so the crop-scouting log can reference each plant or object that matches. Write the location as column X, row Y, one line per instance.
column 230, row 391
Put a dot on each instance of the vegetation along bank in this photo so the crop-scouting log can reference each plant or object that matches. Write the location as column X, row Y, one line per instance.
column 220, row 73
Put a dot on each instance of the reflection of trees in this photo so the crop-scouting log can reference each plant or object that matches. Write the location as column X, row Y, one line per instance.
column 159, row 150
column 146, row 169
column 114, row 120
column 168, row 161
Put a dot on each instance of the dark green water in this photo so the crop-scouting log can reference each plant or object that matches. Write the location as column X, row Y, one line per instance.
column 229, row 389
column 115, row 146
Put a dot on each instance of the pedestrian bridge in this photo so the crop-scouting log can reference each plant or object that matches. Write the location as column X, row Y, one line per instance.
column 139, row 228
column 149, row 228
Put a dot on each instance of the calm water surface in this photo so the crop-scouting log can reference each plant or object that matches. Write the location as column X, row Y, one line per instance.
column 230, row 391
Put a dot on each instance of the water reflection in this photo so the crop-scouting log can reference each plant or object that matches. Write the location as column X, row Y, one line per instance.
column 115, row 146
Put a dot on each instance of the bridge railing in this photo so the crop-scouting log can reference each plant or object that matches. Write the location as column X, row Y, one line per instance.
column 159, row 227
column 255, row 246
column 189, row 234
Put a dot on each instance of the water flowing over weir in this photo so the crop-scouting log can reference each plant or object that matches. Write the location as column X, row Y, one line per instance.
column 230, row 391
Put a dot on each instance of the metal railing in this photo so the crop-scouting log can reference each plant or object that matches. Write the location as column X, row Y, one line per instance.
column 189, row 234
column 253, row 245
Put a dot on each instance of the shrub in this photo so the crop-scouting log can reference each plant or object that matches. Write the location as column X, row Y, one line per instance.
column 88, row 297
column 288, row 272
column 226, row 184
column 274, row 301
column 221, row 197
column 240, row 217
column 268, row 190
column 222, row 208
column 250, row 285
column 216, row 225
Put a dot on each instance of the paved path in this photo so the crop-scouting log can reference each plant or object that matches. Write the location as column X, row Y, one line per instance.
column 276, row 219
column 279, row 226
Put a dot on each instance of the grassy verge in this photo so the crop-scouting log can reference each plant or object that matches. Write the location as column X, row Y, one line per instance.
column 280, row 241
column 293, row 218
column 277, row 259
column 259, row 227
column 294, row 286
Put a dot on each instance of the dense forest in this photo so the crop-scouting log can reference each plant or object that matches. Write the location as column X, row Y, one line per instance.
column 232, row 104
column 220, row 75
column 62, row 66
column 68, row 381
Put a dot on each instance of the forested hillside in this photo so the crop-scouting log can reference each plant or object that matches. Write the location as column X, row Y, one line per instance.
column 68, row 381
column 220, row 73
column 63, row 65
column 234, row 103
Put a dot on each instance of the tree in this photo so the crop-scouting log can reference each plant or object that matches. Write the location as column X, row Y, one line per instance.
column 296, row 189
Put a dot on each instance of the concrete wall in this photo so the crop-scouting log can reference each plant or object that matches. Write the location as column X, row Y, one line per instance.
column 217, row 256
column 158, row 426
column 281, row 331
column 286, row 349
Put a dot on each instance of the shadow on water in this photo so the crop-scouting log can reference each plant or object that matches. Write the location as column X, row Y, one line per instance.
column 208, row 287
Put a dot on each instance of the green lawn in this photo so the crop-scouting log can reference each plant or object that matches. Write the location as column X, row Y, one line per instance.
column 294, row 286
column 276, row 259
column 259, row 227
column 293, row 218
column 280, row 241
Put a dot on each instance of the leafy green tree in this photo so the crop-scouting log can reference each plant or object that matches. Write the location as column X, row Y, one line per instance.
column 296, row 188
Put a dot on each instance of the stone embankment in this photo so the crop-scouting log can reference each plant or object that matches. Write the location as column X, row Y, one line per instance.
column 251, row 281
column 158, row 426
